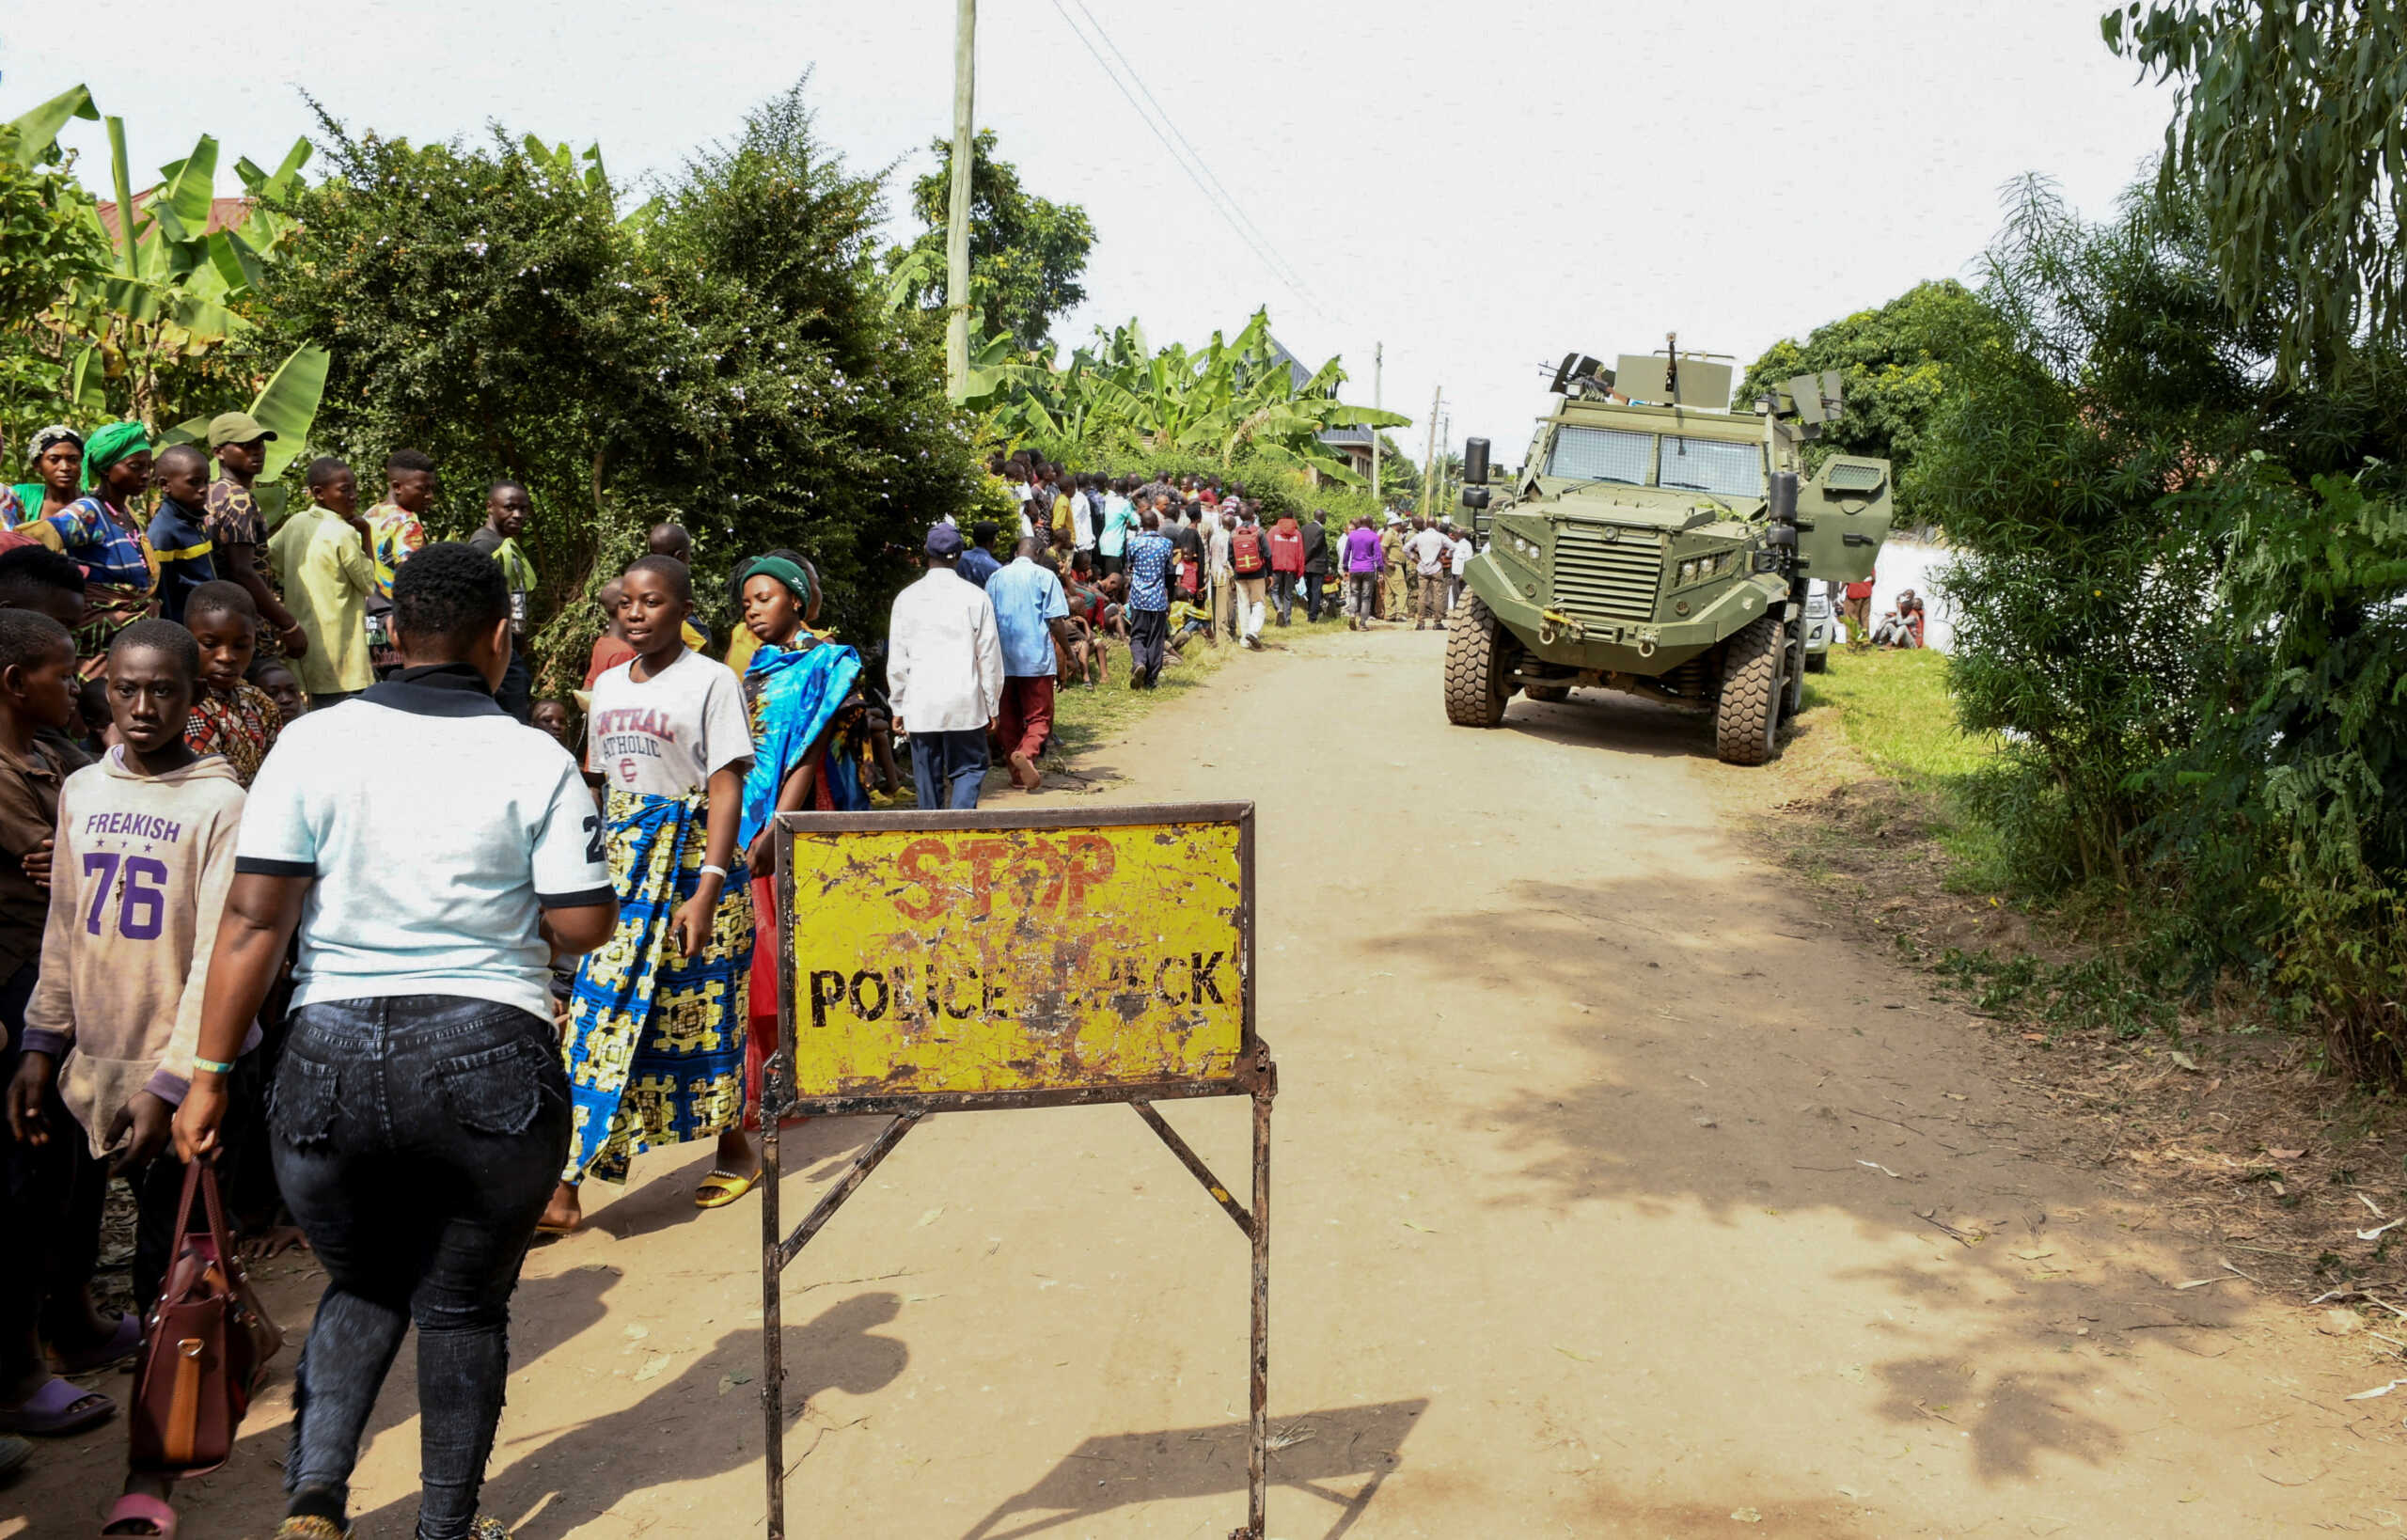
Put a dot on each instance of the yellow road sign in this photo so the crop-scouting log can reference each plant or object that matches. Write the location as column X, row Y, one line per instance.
column 948, row 961
column 1077, row 954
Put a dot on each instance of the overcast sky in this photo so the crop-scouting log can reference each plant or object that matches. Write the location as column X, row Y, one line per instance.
column 1479, row 187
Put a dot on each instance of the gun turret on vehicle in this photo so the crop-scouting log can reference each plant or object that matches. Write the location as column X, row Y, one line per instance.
column 1656, row 541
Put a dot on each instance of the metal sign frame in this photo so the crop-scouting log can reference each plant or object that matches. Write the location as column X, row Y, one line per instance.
column 1253, row 1074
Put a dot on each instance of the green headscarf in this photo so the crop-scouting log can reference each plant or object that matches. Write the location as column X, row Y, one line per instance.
column 798, row 582
column 109, row 445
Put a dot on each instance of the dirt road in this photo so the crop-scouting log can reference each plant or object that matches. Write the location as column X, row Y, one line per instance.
column 1615, row 1196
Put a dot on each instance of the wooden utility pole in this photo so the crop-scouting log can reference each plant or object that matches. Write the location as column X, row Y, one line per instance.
column 956, row 230
column 1429, row 471
column 1379, row 436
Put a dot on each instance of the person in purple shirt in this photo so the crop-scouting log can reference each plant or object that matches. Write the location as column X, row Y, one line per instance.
column 1362, row 562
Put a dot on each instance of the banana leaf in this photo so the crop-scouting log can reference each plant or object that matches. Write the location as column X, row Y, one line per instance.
column 234, row 260
column 87, row 377
column 27, row 138
column 288, row 405
column 189, row 186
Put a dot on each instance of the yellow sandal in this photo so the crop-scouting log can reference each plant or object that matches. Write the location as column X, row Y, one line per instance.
column 720, row 1188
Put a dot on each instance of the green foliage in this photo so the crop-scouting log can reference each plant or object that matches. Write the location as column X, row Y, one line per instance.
column 1899, row 367
column 2092, row 991
column 50, row 239
column 2289, row 134
column 725, row 358
column 1026, row 253
column 140, row 327
column 1229, row 398
column 2078, row 589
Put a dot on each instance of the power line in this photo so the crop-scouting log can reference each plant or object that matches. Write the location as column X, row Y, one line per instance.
column 1237, row 222
column 1286, row 270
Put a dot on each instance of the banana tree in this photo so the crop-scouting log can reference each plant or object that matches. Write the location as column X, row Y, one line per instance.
column 1231, row 395
column 172, row 293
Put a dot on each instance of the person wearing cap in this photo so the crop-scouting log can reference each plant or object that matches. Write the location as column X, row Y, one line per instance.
column 237, row 534
column 944, row 674
column 1392, row 594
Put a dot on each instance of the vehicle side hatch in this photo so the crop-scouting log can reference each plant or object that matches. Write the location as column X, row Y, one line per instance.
column 1843, row 516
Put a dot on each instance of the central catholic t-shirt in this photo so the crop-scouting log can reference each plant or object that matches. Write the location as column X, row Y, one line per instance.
column 667, row 735
column 436, row 827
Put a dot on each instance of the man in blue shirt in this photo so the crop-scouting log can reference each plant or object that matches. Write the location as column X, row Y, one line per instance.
column 1148, row 559
column 1032, row 614
column 979, row 563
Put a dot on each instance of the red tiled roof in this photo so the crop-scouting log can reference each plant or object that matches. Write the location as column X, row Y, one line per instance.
column 224, row 213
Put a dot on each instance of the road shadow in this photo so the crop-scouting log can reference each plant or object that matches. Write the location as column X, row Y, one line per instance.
column 1802, row 1102
column 1308, row 1453
column 660, row 1198
column 1609, row 719
column 702, row 1424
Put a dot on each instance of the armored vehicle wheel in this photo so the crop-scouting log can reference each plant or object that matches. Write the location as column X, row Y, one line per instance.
column 1479, row 665
column 1747, row 720
column 1552, row 694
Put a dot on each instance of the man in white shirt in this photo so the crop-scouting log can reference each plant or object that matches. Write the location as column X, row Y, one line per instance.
column 1082, row 513
column 1463, row 553
column 944, row 674
column 1427, row 548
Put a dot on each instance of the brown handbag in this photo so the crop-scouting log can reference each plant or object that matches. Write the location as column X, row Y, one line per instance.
column 205, row 1348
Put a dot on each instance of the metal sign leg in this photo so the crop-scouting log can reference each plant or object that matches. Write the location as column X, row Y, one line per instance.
column 776, row 1251
column 773, row 1340
column 1258, row 1450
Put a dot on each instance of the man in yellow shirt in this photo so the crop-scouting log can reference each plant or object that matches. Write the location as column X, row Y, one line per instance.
column 320, row 557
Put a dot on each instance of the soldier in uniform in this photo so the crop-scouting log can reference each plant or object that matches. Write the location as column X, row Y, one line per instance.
column 1392, row 600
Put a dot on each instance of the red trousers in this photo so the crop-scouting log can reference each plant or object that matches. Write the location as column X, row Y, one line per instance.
column 761, row 1038
column 1024, row 718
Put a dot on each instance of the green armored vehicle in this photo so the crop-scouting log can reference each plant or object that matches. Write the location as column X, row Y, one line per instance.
column 1657, row 543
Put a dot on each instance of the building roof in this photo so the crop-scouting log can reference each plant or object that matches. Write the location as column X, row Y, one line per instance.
column 224, row 213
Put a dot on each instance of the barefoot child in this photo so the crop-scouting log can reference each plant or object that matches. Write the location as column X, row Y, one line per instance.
column 230, row 716
column 808, row 733
column 655, row 1037
column 145, row 851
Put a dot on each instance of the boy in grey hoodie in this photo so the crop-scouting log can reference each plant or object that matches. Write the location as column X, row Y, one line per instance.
column 143, row 855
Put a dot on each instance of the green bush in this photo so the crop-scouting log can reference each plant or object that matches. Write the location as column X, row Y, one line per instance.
column 724, row 357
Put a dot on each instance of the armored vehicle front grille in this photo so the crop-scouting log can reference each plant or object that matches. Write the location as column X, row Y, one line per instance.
column 1600, row 579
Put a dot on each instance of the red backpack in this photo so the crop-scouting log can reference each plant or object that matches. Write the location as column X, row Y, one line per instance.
column 1244, row 550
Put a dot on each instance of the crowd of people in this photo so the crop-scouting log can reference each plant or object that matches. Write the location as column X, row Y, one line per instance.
column 251, row 913
column 1161, row 560
column 1901, row 626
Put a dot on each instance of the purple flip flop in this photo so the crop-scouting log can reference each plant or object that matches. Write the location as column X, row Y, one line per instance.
column 58, row 1409
column 119, row 1345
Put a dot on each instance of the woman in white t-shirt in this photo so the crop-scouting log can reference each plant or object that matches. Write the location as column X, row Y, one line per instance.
column 660, row 1009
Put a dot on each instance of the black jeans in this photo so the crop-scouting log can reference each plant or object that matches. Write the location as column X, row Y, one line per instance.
column 416, row 1140
column 517, row 692
column 1148, row 636
column 1314, row 585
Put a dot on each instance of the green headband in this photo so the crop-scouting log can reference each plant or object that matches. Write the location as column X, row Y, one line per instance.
column 116, row 441
column 798, row 582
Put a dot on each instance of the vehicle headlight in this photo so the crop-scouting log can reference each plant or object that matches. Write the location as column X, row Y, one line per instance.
column 1688, row 571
